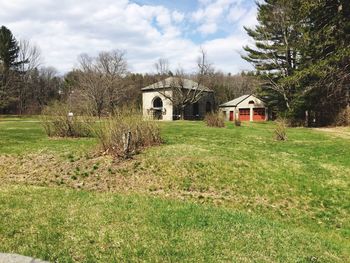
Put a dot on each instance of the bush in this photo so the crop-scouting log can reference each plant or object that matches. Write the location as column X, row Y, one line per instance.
column 214, row 119
column 126, row 133
column 56, row 122
column 237, row 122
column 281, row 130
column 343, row 118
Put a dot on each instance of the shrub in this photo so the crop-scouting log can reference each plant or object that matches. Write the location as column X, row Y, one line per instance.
column 343, row 118
column 281, row 130
column 56, row 122
column 126, row 133
column 237, row 122
column 214, row 119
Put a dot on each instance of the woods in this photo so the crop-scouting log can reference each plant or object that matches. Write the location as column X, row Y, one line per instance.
column 301, row 57
column 302, row 54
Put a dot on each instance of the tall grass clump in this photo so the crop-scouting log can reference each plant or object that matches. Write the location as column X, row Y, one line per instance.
column 343, row 117
column 238, row 122
column 280, row 131
column 126, row 133
column 57, row 123
column 214, row 119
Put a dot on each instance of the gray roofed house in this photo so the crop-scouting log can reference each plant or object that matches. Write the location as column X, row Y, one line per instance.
column 176, row 82
column 157, row 100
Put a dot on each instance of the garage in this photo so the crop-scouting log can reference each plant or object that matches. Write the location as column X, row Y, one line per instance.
column 245, row 108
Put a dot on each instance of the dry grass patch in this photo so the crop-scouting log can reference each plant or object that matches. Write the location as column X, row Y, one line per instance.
column 342, row 132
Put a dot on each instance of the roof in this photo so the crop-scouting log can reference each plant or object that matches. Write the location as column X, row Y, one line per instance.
column 176, row 82
column 235, row 102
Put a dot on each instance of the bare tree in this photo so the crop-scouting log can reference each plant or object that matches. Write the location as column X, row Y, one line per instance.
column 184, row 89
column 162, row 67
column 100, row 79
column 31, row 57
column 46, row 85
column 113, row 66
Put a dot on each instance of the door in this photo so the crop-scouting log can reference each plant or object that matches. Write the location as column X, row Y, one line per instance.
column 232, row 116
column 244, row 114
column 259, row 114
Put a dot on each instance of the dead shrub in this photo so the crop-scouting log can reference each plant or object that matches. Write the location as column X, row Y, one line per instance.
column 343, row 118
column 56, row 122
column 214, row 119
column 126, row 133
column 281, row 130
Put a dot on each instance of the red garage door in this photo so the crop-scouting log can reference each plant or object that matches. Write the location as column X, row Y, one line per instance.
column 244, row 114
column 259, row 114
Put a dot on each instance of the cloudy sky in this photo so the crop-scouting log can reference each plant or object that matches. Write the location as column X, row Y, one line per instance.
column 146, row 29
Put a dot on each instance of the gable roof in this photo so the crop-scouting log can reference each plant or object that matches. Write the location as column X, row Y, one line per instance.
column 235, row 102
column 176, row 82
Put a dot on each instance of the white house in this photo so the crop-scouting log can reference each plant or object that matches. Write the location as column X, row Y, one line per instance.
column 245, row 108
column 158, row 98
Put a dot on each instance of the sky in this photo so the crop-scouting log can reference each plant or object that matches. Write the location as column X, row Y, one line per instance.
column 146, row 29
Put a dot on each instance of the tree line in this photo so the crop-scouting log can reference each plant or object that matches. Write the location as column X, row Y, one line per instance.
column 100, row 84
column 302, row 53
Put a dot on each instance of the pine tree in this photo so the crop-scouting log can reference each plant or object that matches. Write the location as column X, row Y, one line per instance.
column 8, row 49
column 275, row 54
column 323, row 76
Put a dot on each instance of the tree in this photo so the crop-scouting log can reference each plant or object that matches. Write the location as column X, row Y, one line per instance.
column 275, row 55
column 324, row 74
column 228, row 87
column 8, row 60
column 99, row 79
column 32, row 55
column 302, row 49
column 9, row 50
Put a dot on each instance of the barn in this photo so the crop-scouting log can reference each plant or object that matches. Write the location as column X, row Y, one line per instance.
column 245, row 108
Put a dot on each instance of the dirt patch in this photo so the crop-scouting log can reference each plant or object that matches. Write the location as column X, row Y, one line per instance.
column 98, row 173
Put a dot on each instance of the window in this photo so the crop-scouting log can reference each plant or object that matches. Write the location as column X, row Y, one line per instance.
column 260, row 112
column 245, row 112
column 251, row 102
column 157, row 103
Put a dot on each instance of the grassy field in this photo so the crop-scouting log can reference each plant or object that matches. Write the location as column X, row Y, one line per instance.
column 205, row 195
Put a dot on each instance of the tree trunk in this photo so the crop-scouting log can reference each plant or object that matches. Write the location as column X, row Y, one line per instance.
column 182, row 112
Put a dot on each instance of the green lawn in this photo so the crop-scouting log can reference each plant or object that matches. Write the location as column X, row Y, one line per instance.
column 205, row 195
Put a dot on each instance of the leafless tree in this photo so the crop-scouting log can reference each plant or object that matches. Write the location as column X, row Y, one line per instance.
column 31, row 57
column 113, row 66
column 100, row 78
column 162, row 67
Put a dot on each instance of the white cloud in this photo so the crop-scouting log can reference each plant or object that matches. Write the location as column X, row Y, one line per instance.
column 236, row 13
column 66, row 28
column 177, row 16
column 226, row 52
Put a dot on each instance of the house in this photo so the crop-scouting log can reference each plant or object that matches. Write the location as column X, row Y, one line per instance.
column 245, row 108
column 160, row 100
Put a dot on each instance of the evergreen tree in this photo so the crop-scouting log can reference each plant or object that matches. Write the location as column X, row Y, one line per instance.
column 302, row 49
column 275, row 55
column 8, row 60
column 323, row 77
column 9, row 49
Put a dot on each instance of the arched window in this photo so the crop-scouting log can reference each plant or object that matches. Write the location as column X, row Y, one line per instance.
column 157, row 103
column 208, row 107
column 251, row 102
